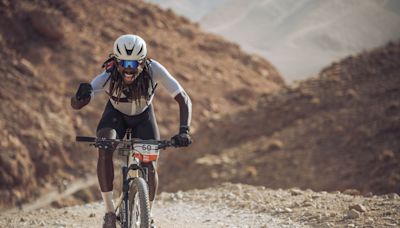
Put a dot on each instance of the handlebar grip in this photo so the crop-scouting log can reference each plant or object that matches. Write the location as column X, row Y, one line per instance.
column 166, row 143
column 85, row 139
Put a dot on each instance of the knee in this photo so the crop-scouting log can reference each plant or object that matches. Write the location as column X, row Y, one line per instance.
column 107, row 133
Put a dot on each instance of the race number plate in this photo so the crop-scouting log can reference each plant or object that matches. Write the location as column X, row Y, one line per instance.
column 146, row 152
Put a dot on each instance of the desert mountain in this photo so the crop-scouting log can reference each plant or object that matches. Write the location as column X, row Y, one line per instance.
column 337, row 131
column 298, row 37
column 49, row 47
column 192, row 9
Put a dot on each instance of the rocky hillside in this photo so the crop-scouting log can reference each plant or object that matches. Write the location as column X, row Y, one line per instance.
column 48, row 47
column 337, row 131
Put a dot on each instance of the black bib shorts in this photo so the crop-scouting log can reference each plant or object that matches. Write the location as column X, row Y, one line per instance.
column 143, row 125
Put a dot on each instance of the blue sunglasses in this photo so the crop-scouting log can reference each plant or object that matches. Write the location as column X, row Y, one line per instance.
column 129, row 63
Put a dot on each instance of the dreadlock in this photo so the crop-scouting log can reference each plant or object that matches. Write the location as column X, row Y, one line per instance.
column 135, row 91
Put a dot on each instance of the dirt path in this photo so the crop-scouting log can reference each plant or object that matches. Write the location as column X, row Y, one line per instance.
column 189, row 214
column 235, row 205
column 58, row 194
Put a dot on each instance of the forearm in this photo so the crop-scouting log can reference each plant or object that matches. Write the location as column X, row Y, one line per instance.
column 185, row 109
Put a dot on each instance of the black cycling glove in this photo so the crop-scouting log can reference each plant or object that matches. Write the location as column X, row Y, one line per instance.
column 84, row 91
column 183, row 138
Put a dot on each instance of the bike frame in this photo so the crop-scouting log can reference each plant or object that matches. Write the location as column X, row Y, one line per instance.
column 131, row 169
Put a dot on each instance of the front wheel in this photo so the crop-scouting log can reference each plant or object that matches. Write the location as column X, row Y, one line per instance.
column 139, row 205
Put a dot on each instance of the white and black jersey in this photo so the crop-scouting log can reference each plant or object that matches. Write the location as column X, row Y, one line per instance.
column 130, row 107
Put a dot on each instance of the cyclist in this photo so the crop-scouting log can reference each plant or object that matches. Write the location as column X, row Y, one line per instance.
column 130, row 79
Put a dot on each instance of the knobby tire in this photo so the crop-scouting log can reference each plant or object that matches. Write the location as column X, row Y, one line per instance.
column 139, row 186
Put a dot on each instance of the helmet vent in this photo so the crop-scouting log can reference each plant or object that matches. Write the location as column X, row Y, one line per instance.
column 141, row 48
column 129, row 52
column 119, row 50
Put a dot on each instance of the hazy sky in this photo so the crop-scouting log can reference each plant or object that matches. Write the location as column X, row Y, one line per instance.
column 299, row 37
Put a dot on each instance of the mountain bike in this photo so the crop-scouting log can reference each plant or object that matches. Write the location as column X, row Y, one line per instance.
column 133, row 206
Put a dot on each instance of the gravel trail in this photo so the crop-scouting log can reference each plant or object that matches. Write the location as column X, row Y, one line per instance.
column 235, row 205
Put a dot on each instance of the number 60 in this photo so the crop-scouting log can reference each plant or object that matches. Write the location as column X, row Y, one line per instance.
column 146, row 147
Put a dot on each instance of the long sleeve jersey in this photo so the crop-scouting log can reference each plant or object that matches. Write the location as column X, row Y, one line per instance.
column 128, row 106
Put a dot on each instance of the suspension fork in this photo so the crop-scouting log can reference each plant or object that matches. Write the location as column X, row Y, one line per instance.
column 125, row 191
column 127, row 179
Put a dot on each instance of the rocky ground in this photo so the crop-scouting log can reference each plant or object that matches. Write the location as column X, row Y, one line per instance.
column 236, row 205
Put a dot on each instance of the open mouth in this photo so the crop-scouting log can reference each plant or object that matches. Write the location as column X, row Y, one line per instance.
column 129, row 77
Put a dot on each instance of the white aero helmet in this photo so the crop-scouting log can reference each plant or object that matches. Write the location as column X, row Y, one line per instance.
column 130, row 47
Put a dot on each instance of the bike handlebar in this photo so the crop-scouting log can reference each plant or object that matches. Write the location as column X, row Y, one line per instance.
column 101, row 142
column 85, row 139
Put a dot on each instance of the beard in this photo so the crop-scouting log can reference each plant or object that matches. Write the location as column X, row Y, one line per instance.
column 130, row 76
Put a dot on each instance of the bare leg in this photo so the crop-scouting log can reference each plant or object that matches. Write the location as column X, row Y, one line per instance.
column 105, row 170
